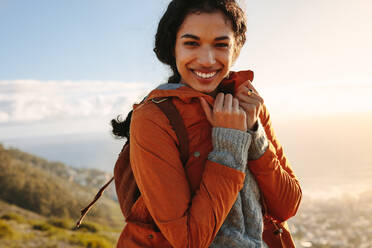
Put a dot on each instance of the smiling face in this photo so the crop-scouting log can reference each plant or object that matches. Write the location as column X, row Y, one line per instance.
column 204, row 50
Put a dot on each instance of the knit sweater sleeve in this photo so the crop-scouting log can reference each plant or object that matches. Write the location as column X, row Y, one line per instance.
column 230, row 147
column 259, row 142
column 184, row 219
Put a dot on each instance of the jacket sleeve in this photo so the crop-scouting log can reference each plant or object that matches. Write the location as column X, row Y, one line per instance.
column 279, row 186
column 184, row 220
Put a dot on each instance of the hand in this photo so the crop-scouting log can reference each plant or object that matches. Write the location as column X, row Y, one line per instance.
column 226, row 112
column 252, row 104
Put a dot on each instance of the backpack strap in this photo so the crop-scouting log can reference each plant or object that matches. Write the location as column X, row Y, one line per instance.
column 85, row 210
column 169, row 109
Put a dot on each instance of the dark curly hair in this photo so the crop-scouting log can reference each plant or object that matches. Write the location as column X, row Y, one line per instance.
column 166, row 34
column 176, row 13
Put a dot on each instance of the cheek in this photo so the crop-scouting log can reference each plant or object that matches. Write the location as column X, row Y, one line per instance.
column 178, row 54
column 183, row 57
column 227, row 58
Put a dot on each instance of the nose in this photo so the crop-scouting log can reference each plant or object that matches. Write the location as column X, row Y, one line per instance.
column 206, row 57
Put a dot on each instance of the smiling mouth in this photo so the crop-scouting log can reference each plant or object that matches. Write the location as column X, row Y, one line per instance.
column 205, row 75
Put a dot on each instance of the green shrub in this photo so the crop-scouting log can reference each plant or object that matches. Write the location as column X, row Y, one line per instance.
column 37, row 190
column 6, row 231
column 90, row 240
column 13, row 216
column 89, row 227
column 42, row 226
column 61, row 223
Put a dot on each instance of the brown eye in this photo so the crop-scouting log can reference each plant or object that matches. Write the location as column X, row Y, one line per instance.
column 222, row 45
column 191, row 43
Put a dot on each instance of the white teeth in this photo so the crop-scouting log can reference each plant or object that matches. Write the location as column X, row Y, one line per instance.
column 205, row 75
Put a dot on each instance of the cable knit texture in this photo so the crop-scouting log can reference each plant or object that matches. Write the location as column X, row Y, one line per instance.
column 230, row 147
column 259, row 142
column 243, row 226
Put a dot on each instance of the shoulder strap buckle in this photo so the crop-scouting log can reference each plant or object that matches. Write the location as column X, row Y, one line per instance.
column 158, row 100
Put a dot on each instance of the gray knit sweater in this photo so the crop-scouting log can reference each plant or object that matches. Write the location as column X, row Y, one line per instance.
column 243, row 226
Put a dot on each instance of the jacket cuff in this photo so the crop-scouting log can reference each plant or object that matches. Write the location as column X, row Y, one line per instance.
column 230, row 147
column 259, row 142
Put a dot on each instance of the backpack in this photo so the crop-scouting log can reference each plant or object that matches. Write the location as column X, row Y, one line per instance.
column 123, row 174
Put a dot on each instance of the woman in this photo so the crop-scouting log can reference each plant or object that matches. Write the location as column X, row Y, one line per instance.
column 236, row 166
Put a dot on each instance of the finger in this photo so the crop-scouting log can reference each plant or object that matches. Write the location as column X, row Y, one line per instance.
column 252, row 87
column 235, row 105
column 243, row 95
column 248, row 85
column 227, row 106
column 207, row 109
column 218, row 103
column 257, row 97
column 244, row 88
column 250, row 101
column 246, row 98
column 245, row 118
column 249, row 107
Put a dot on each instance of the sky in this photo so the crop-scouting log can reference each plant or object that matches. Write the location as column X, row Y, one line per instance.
column 68, row 67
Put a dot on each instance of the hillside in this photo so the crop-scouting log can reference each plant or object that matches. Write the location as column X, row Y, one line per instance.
column 91, row 178
column 40, row 202
column 52, row 189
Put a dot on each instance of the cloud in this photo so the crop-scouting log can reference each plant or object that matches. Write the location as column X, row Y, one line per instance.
column 28, row 101
column 4, row 117
column 318, row 99
column 43, row 108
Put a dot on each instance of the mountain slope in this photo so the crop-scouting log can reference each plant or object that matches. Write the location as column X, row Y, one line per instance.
column 49, row 188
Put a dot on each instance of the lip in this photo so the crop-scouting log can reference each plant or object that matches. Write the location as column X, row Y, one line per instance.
column 205, row 80
column 206, row 70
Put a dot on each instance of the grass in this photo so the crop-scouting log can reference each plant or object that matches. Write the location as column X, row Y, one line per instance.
column 90, row 240
column 6, row 231
column 19, row 231
column 13, row 216
column 21, row 228
column 89, row 227
column 42, row 226
column 61, row 223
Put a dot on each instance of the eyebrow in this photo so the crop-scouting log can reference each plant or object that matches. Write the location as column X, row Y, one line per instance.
column 222, row 38
column 191, row 36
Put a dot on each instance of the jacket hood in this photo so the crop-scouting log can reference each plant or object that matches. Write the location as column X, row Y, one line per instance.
column 186, row 93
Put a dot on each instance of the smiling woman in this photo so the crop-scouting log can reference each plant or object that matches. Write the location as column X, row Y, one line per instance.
column 232, row 186
column 204, row 50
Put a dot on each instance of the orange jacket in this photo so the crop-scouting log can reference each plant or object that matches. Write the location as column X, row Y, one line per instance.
column 185, row 206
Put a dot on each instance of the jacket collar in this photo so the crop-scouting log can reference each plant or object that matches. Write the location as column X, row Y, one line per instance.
column 186, row 93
